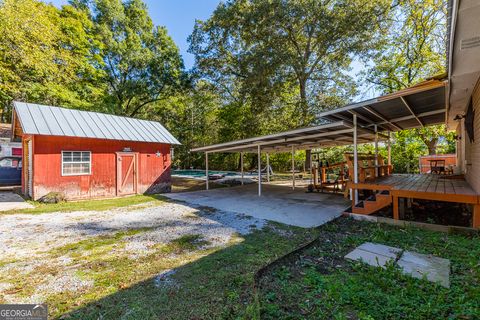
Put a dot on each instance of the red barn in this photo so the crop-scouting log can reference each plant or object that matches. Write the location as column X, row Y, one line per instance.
column 90, row 155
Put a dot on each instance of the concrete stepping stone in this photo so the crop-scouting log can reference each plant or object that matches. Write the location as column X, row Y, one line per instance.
column 374, row 254
column 433, row 268
column 417, row 265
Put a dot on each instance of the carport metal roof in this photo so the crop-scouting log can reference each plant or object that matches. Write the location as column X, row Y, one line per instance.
column 335, row 133
column 417, row 106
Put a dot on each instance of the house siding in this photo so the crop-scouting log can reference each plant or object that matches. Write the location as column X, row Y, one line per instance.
column 153, row 174
column 472, row 149
column 458, row 148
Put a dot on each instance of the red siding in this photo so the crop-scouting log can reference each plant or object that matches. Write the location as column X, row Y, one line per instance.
column 153, row 171
column 450, row 160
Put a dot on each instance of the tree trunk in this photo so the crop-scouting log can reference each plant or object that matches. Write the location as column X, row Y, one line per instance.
column 432, row 146
column 308, row 156
column 303, row 102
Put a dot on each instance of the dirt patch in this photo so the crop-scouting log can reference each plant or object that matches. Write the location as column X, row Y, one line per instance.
column 180, row 184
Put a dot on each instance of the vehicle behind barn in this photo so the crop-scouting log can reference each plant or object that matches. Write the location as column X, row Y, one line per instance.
column 10, row 171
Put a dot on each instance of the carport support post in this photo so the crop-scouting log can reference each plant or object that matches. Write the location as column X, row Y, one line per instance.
column 376, row 150
column 293, row 168
column 259, row 172
column 206, row 170
column 355, row 159
column 241, row 165
column 268, row 167
column 389, row 148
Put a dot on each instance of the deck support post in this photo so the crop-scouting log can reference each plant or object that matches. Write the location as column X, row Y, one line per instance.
column 293, row 168
column 376, row 150
column 268, row 167
column 206, row 170
column 355, row 159
column 395, row 208
column 241, row 165
column 401, row 208
column 476, row 216
column 259, row 172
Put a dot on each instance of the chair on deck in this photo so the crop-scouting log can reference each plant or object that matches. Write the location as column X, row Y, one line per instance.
column 437, row 166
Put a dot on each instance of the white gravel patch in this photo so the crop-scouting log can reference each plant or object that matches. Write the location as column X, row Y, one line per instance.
column 5, row 286
column 28, row 240
column 25, row 236
column 63, row 283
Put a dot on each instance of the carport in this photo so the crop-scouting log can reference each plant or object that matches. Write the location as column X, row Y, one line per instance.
column 363, row 122
column 342, row 132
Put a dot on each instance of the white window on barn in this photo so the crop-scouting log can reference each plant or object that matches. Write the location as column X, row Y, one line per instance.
column 75, row 163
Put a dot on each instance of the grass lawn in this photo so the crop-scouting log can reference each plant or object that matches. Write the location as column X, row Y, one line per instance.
column 105, row 276
column 319, row 284
column 87, row 205
column 213, row 284
column 178, row 185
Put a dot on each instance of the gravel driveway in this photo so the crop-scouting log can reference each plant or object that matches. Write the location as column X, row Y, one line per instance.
column 31, row 243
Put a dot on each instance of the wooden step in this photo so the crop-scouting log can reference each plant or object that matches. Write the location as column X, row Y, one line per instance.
column 373, row 203
column 359, row 207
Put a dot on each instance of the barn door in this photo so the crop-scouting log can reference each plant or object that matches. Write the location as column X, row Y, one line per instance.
column 126, row 173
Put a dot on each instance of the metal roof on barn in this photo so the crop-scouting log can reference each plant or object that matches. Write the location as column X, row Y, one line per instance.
column 55, row 121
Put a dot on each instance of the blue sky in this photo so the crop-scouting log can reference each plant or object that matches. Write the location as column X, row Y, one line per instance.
column 178, row 16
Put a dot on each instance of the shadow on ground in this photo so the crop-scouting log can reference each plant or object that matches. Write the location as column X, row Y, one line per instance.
column 218, row 285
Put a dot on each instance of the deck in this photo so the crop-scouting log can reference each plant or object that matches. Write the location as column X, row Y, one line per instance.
column 423, row 186
column 426, row 187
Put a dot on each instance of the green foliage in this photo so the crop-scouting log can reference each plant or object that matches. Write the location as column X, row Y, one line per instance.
column 103, row 55
column 276, row 64
column 413, row 49
column 141, row 62
column 47, row 56
column 262, row 66
column 192, row 116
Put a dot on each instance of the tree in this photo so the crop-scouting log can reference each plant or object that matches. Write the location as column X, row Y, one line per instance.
column 413, row 50
column 261, row 45
column 47, row 56
column 141, row 62
column 191, row 116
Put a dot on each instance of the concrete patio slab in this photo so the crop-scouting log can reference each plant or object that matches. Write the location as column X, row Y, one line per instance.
column 374, row 254
column 433, row 268
column 11, row 201
column 277, row 203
